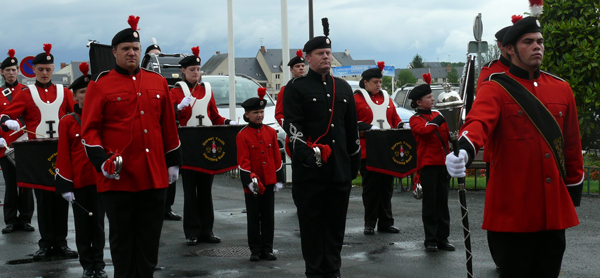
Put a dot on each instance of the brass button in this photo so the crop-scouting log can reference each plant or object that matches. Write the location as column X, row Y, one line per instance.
column 547, row 155
column 314, row 99
column 520, row 112
column 560, row 113
column 329, row 109
column 344, row 100
column 535, row 84
column 133, row 78
column 333, row 141
column 332, row 125
column 264, row 163
column 328, row 95
column 142, row 112
column 145, row 131
column 119, row 99
column 147, row 150
column 548, row 180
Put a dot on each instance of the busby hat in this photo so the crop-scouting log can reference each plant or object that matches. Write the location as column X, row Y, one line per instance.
column 44, row 57
column 10, row 60
column 193, row 60
column 82, row 81
column 255, row 103
column 422, row 90
column 128, row 34
column 376, row 72
column 320, row 41
column 153, row 46
column 530, row 24
column 297, row 59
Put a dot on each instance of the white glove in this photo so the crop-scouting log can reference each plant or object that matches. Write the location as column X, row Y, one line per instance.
column 406, row 126
column 173, row 174
column 251, row 186
column 456, row 165
column 185, row 102
column 277, row 187
column 233, row 123
column 69, row 196
column 12, row 125
column 105, row 173
column 374, row 127
column 3, row 143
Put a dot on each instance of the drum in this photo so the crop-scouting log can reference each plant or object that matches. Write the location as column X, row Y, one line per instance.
column 37, row 163
column 10, row 152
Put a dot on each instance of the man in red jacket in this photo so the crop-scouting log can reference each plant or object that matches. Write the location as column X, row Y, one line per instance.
column 129, row 123
column 296, row 65
column 534, row 186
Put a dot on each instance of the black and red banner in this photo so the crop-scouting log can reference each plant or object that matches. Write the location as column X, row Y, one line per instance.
column 209, row 149
column 392, row 152
column 36, row 163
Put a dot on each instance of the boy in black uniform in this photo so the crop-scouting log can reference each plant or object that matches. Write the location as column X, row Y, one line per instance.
column 261, row 175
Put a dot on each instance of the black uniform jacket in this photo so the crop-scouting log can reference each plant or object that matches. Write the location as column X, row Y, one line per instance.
column 307, row 106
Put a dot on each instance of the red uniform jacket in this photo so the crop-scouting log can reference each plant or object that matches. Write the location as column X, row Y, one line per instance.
column 23, row 105
column 258, row 153
column 184, row 115
column 525, row 192
column 495, row 66
column 430, row 150
column 132, row 115
column 4, row 102
column 364, row 116
column 73, row 168
column 279, row 107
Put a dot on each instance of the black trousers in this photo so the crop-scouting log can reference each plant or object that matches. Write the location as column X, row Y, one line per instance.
column 170, row 197
column 17, row 200
column 89, row 230
column 198, row 213
column 53, row 214
column 135, row 223
column 377, row 194
column 322, row 209
column 537, row 254
column 260, row 215
column 436, row 216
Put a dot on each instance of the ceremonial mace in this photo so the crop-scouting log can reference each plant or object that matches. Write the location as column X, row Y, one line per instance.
column 451, row 105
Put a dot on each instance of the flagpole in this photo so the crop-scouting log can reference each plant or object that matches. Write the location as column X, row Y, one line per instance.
column 231, row 61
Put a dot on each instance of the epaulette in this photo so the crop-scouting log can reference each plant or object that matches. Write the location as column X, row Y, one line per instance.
column 490, row 77
column 100, row 75
column 296, row 78
column 152, row 72
column 24, row 88
column 490, row 63
column 553, row 76
column 242, row 129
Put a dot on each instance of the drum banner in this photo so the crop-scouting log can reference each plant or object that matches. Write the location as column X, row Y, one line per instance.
column 36, row 163
column 209, row 149
column 392, row 152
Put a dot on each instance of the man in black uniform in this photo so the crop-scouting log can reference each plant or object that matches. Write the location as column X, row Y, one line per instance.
column 320, row 120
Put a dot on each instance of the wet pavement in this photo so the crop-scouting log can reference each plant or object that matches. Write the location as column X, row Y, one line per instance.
column 379, row 255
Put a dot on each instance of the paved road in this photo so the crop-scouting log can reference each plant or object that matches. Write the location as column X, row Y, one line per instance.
column 380, row 255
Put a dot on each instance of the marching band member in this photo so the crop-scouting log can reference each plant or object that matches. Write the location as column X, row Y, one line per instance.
column 259, row 158
column 76, row 180
column 16, row 199
column 129, row 124
column 375, row 110
column 194, row 101
column 529, row 120
column 41, row 106
column 433, row 138
column 320, row 119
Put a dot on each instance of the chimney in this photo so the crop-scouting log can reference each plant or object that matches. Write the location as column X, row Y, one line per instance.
column 218, row 52
column 448, row 68
column 262, row 49
column 63, row 65
column 347, row 52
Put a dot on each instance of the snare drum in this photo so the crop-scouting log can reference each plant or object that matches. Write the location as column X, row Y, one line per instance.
column 10, row 152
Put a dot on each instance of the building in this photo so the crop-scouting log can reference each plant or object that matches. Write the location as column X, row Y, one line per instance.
column 438, row 74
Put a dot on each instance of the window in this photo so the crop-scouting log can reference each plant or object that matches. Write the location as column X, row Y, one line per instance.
column 277, row 86
column 277, row 76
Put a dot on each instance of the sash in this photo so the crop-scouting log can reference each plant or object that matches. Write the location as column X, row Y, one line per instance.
column 379, row 111
column 7, row 93
column 48, row 111
column 199, row 106
column 539, row 115
column 444, row 144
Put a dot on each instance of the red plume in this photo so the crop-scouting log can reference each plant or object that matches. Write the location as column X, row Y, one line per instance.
column 47, row 48
column 299, row 53
column 262, row 91
column 515, row 18
column 381, row 65
column 11, row 53
column 427, row 78
column 196, row 51
column 84, row 68
column 133, row 21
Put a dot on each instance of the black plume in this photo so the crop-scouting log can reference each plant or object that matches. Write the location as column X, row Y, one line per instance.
column 325, row 23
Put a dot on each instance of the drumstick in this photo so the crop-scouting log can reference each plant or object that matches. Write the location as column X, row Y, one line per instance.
column 88, row 212
column 25, row 130
column 15, row 132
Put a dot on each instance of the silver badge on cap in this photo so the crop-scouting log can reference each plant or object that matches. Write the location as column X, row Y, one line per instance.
column 197, row 59
column 48, row 58
column 86, row 79
column 262, row 102
column 538, row 23
column 327, row 41
column 12, row 60
column 135, row 34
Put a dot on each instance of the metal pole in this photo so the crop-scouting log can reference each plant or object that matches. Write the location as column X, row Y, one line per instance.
column 311, row 33
column 285, row 43
column 231, row 61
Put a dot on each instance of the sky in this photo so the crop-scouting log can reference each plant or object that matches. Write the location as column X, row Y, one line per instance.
column 393, row 31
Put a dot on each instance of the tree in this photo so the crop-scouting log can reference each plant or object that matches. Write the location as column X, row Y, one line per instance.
column 493, row 53
column 386, row 84
column 417, row 62
column 404, row 77
column 452, row 76
column 571, row 32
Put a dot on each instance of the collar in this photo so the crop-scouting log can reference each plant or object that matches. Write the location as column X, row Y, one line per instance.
column 313, row 74
column 43, row 86
column 9, row 85
column 523, row 74
column 190, row 85
column 504, row 61
column 123, row 71
column 77, row 109
column 253, row 125
column 422, row 111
